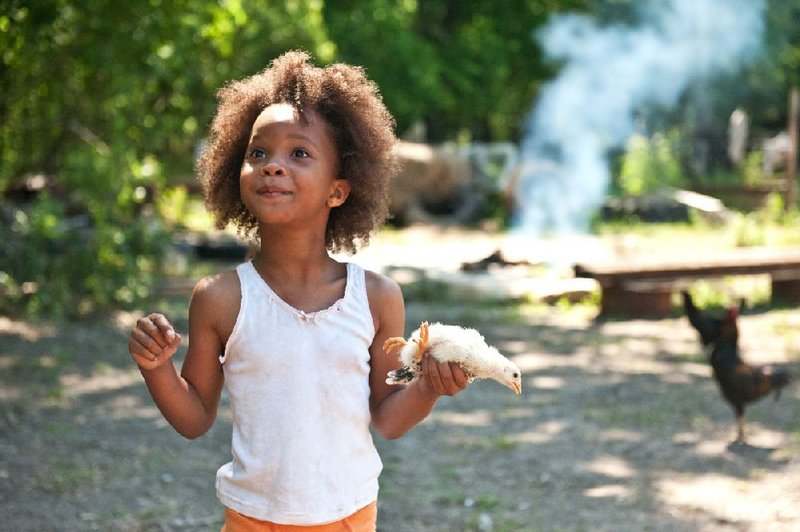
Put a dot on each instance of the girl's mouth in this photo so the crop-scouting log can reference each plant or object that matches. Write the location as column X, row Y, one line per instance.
column 272, row 192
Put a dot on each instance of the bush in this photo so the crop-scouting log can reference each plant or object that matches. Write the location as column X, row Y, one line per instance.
column 64, row 266
column 649, row 164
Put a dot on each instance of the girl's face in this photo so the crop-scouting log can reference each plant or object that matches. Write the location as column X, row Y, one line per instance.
column 290, row 167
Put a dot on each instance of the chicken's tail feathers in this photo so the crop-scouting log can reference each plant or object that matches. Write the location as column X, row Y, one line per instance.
column 707, row 326
column 403, row 375
column 692, row 312
column 687, row 300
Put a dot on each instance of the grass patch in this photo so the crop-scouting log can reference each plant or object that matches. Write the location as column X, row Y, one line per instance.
column 492, row 443
column 68, row 476
column 425, row 290
column 487, row 502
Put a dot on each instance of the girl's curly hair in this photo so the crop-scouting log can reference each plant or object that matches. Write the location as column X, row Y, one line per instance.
column 362, row 127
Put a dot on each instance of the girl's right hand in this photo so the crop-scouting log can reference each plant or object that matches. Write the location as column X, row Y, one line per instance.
column 153, row 341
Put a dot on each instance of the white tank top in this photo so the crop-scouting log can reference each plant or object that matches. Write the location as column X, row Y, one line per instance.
column 298, row 385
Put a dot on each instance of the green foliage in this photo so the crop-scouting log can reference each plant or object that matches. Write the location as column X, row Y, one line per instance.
column 58, row 266
column 649, row 164
column 748, row 230
column 718, row 295
column 135, row 79
column 426, row 290
column 769, row 79
column 749, row 174
column 752, row 168
column 774, row 207
column 467, row 69
column 111, row 100
column 771, row 224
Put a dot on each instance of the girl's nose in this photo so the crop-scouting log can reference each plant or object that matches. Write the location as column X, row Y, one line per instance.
column 272, row 168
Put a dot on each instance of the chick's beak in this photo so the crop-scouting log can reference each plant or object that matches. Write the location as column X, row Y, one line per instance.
column 516, row 387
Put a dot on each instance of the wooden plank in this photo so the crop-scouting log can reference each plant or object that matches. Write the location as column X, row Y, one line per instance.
column 782, row 262
column 621, row 299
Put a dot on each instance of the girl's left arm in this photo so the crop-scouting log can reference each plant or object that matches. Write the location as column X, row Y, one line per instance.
column 397, row 409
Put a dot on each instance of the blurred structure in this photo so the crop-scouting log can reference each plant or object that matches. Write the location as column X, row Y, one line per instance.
column 738, row 128
column 447, row 183
column 776, row 152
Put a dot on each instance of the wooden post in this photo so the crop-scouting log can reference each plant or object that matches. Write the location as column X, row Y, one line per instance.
column 791, row 164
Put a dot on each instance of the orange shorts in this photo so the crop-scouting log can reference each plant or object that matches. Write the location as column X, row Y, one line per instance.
column 364, row 520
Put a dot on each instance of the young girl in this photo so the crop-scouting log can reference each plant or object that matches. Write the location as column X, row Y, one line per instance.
column 298, row 156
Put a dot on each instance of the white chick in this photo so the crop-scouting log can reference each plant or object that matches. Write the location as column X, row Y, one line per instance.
column 451, row 343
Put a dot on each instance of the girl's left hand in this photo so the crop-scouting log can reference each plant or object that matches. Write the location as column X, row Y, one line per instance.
column 443, row 378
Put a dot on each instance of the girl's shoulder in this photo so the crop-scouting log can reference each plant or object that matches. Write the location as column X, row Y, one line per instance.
column 219, row 291
column 380, row 285
column 383, row 293
column 218, row 284
column 215, row 301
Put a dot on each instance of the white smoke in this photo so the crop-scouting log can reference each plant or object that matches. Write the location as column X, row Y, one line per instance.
column 609, row 73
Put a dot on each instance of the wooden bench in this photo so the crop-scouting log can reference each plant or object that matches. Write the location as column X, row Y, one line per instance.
column 645, row 286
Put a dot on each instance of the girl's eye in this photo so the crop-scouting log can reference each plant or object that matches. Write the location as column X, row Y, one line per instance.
column 257, row 153
column 300, row 153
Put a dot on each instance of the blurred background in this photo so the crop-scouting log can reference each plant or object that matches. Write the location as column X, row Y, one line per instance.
column 543, row 118
column 535, row 135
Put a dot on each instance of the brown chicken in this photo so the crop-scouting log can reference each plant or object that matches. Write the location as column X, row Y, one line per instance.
column 739, row 382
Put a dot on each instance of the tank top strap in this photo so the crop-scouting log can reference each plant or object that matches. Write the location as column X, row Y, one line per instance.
column 248, row 277
column 248, row 283
column 355, row 277
column 357, row 283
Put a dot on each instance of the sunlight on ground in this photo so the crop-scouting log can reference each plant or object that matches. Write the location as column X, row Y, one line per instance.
column 26, row 330
column 445, row 248
column 611, row 466
column 426, row 247
column 77, row 384
column 730, row 500
column 531, row 362
column 474, row 418
column 543, row 433
column 612, row 491
column 545, row 382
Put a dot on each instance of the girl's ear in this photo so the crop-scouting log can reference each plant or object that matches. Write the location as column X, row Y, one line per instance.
column 339, row 193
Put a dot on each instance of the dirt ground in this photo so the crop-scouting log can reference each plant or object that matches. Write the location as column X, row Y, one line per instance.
column 619, row 427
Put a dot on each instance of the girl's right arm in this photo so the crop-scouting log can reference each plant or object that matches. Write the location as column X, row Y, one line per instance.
column 188, row 400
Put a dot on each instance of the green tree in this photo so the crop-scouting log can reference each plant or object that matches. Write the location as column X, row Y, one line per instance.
column 767, row 86
column 110, row 101
column 460, row 67
column 649, row 164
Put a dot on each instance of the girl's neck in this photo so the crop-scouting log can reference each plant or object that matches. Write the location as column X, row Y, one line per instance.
column 299, row 258
column 301, row 273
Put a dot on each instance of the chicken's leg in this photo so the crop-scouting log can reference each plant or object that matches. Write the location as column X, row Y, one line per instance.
column 740, row 427
column 422, row 342
column 394, row 344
